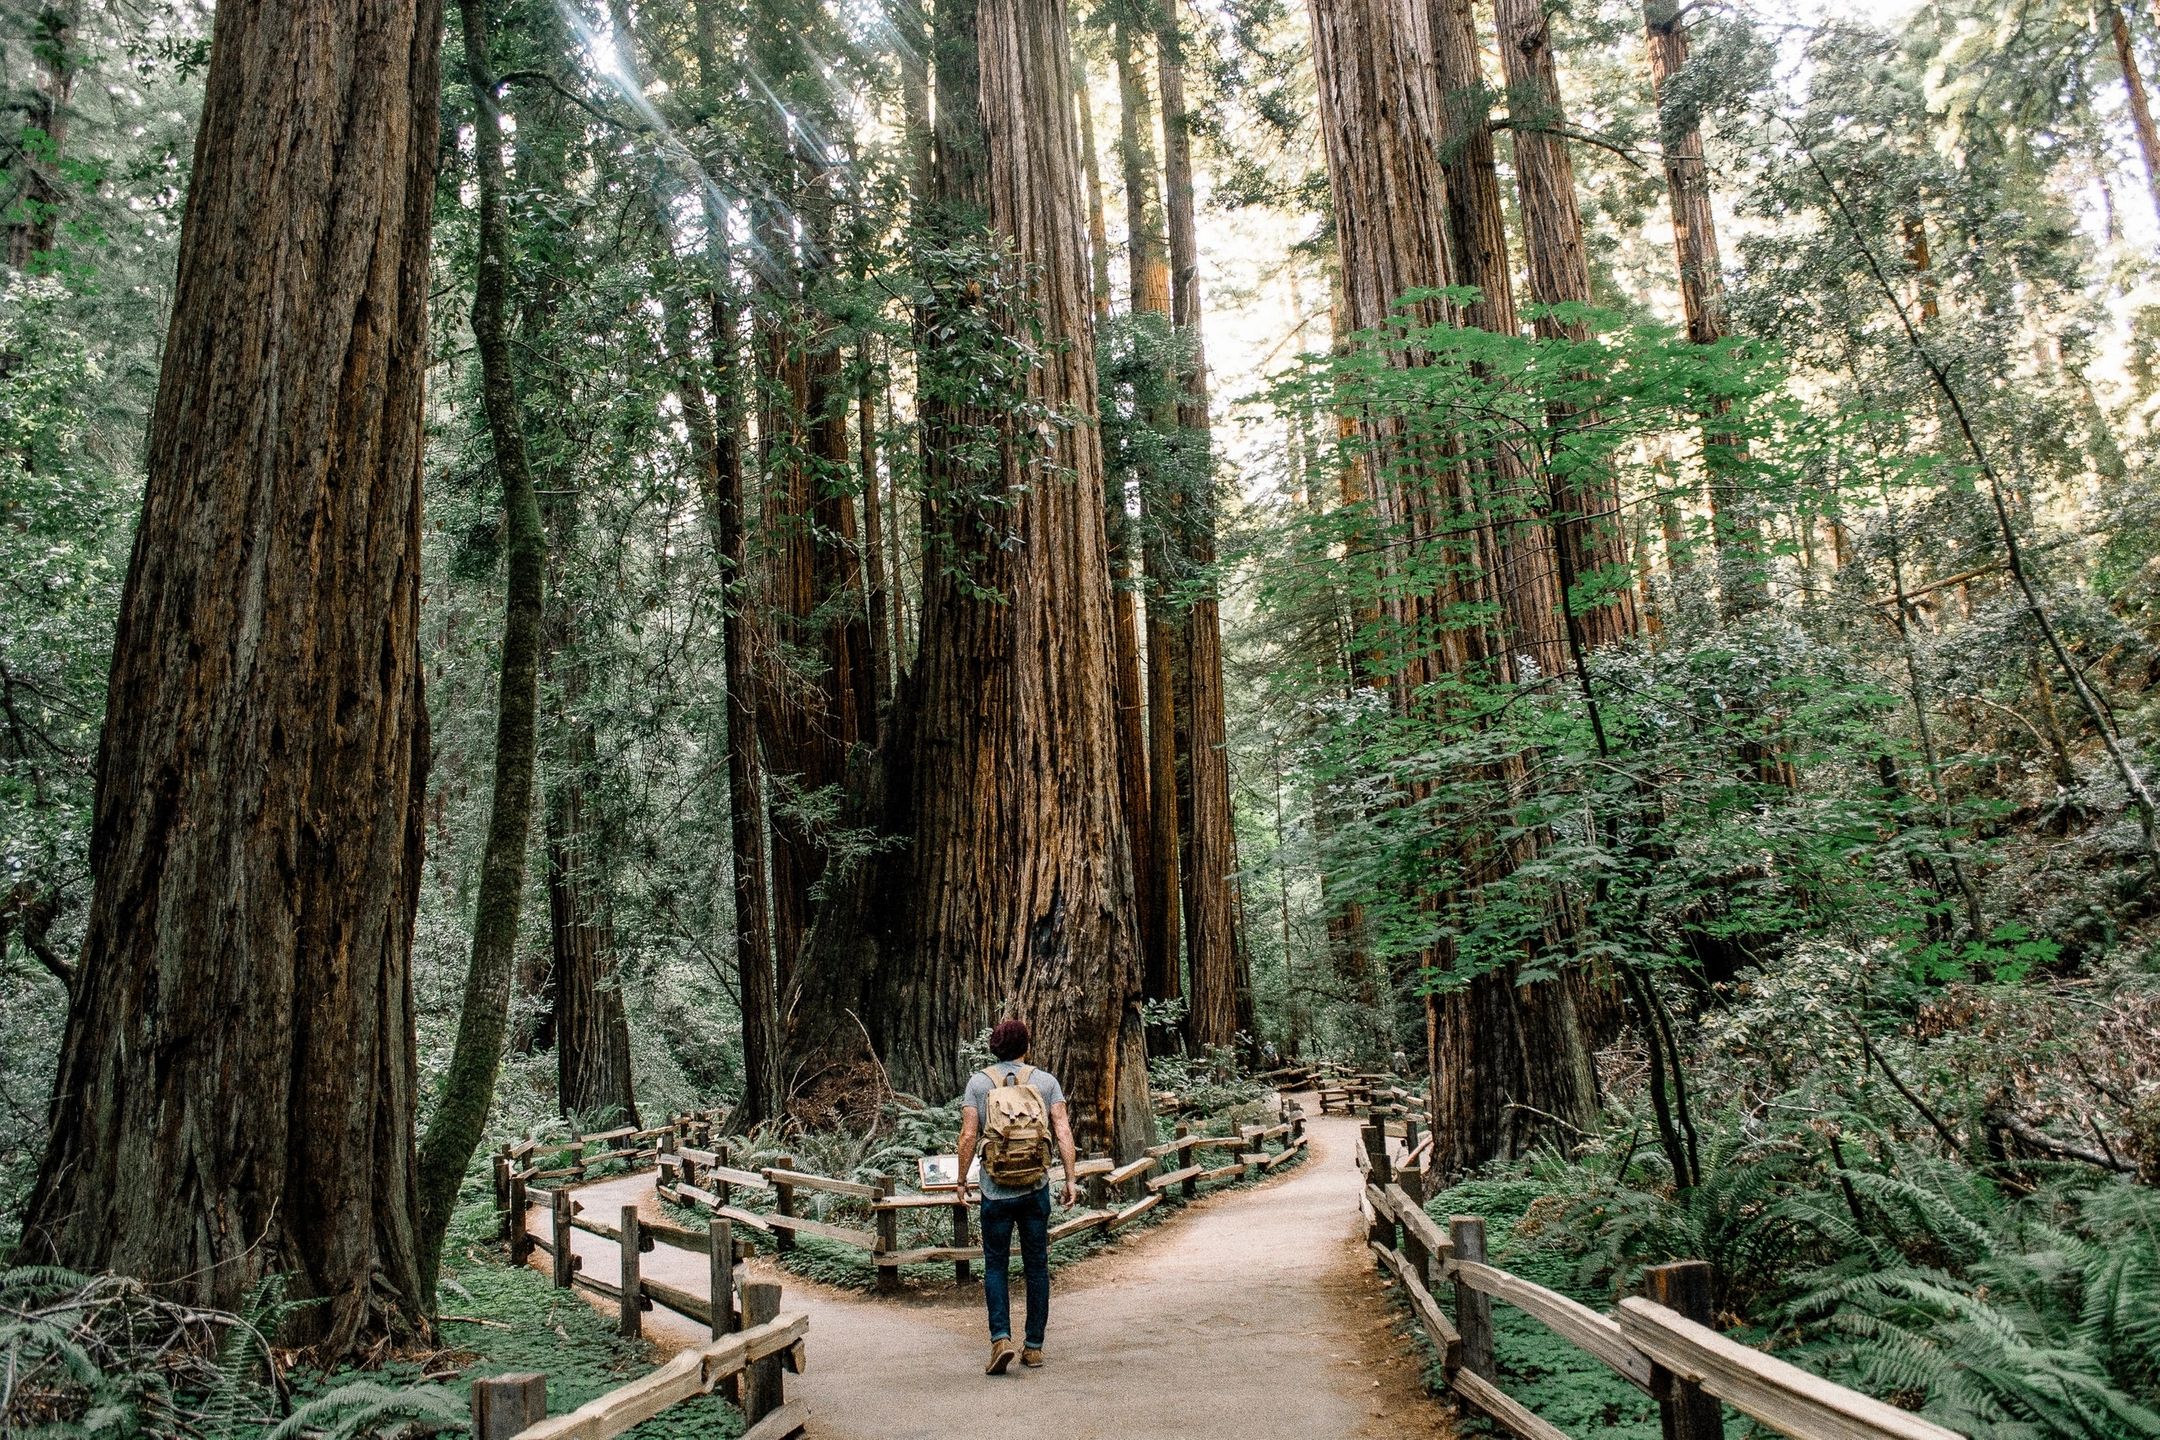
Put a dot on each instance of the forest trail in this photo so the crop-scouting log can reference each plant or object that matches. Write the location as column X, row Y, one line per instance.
column 1258, row 1316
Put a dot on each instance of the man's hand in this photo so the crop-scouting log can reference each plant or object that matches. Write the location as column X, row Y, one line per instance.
column 1069, row 1196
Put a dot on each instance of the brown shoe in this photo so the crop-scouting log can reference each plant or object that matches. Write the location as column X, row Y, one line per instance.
column 1001, row 1357
column 1032, row 1359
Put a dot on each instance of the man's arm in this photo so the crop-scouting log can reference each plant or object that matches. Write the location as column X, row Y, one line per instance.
column 1061, row 1123
column 970, row 1132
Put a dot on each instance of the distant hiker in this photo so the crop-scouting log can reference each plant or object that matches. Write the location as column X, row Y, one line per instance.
column 1015, row 1111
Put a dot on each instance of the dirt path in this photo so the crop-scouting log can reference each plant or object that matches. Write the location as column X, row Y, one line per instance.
column 1256, row 1316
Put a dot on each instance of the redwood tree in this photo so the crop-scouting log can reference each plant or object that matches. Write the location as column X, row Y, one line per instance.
column 1220, row 992
column 1013, row 892
column 236, row 1093
column 1493, row 1048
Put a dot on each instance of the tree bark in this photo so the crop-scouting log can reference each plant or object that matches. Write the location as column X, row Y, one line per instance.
column 1014, row 894
column 1379, row 104
column 468, row 1084
column 1587, row 518
column 2141, row 116
column 39, row 196
column 873, row 537
column 820, row 699
column 1523, row 557
column 1157, row 851
column 1221, row 980
column 1091, row 186
column 713, row 420
column 1736, row 527
column 236, row 1092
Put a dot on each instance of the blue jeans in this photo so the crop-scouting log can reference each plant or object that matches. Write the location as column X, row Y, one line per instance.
column 1031, row 1212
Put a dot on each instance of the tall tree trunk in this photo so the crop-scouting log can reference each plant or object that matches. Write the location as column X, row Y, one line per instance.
column 468, row 1084
column 714, row 422
column 236, row 1092
column 756, row 973
column 589, row 1025
column 1156, row 853
column 1523, row 556
column 820, row 697
column 873, row 536
column 1736, row 527
column 1091, row 186
column 38, row 194
column 1379, row 102
column 1014, row 894
column 592, row 1030
column 1221, row 980
column 1589, row 535
column 2141, row 116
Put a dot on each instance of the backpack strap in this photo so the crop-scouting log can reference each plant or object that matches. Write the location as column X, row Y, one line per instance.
column 1024, row 1074
column 989, row 1073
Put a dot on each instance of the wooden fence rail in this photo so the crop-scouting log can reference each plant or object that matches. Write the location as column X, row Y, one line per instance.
column 702, row 1176
column 750, row 1362
column 705, row 1179
column 1662, row 1343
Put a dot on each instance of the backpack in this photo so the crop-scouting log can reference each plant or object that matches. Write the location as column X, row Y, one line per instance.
column 1016, row 1131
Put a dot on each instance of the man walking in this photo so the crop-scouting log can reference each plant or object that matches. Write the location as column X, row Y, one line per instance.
column 1014, row 1111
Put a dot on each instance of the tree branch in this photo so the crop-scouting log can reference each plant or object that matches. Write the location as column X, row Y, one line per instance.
column 1568, row 132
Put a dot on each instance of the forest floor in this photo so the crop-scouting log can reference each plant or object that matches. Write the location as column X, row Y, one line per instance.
column 1256, row 1315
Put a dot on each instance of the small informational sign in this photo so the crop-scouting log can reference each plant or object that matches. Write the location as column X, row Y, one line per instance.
column 939, row 1172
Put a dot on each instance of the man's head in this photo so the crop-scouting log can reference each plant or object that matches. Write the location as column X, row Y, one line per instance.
column 1009, row 1039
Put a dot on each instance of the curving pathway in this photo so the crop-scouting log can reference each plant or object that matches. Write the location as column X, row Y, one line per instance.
column 1256, row 1316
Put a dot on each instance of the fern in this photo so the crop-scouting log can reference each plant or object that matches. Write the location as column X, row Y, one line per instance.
column 369, row 1407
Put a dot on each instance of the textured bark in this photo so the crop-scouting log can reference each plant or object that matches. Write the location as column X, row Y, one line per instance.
column 592, row 1031
column 1379, row 103
column 587, row 1022
column 1221, row 982
column 713, row 420
column 1523, row 557
column 1589, row 534
column 2141, row 116
column 1091, row 186
column 820, row 700
column 873, row 513
column 236, row 1092
column 468, row 1083
column 1014, row 894
column 1736, row 528
column 38, row 195
column 1156, row 852
column 756, row 975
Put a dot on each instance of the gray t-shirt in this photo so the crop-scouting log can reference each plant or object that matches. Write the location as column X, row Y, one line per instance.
column 978, row 1091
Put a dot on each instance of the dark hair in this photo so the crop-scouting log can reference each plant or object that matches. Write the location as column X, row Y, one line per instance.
column 1009, row 1039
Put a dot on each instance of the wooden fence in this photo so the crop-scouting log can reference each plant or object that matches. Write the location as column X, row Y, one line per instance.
column 705, row 1178
column 749, row 1363
column 1661, row 1343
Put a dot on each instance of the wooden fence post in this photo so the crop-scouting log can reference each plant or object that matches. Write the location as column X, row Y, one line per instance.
column 1687, row 1412
column 559, row 1212
column 1297, row 1124
column 1191, row 1187
column 720, row 1276
column 502, row 1405
column 762, row 1387
column 888, row 1238
column 963, row 1271
column 1098, row 1191
column 501, row 1168
column 1473, row 1312
column 1383, row 1168
column 783, row 1204
column 514, row 1219
column 632, row 1320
